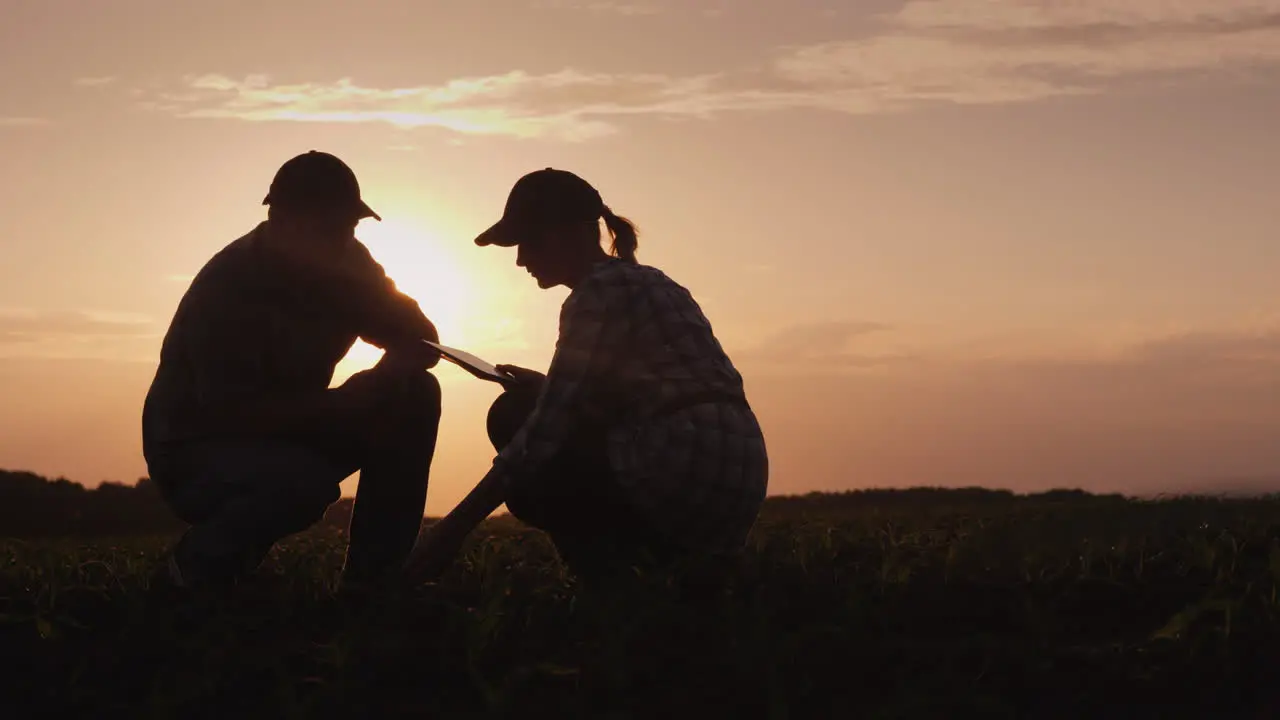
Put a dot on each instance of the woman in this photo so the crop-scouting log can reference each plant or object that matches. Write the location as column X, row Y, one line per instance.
column 638, row 443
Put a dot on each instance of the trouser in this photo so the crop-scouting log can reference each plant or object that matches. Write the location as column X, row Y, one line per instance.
column 576, row 500
column 242, row 496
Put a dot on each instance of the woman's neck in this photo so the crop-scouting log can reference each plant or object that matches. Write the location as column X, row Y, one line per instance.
column 589, row 263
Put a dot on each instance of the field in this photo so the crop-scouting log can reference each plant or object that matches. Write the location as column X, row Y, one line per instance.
column 875, row 605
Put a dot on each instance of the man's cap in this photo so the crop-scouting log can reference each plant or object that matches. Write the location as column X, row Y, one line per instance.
column 541, row 198
column 318, row 181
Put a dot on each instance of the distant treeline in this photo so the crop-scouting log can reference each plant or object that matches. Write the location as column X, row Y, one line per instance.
column 35, row 506
column 917, row 499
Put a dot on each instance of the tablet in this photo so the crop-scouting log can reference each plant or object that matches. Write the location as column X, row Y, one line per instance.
column 472, row 364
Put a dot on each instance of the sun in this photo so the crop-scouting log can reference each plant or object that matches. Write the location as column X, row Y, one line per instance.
column 425, row 268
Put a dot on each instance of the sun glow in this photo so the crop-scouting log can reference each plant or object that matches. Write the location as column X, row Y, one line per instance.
column 424, row 267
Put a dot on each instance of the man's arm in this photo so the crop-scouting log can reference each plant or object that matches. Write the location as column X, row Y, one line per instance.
column 388, row 318
column 228, row 378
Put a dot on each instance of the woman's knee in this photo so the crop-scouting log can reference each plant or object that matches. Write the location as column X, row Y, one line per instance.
column 530, row 508
column 507, row 415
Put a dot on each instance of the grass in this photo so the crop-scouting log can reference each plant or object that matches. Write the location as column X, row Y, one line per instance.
column 1030, row 608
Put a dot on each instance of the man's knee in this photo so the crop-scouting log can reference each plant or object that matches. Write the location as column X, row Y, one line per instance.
column 414, row 405
column 409, row 415
column 304, row 501
column 423, row 390
column 418, row 397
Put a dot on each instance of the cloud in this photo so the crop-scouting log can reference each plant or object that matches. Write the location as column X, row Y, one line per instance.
column 602, row 7
column 1196, row 349
column 1167, row 413
column 825, row 336
column 823, row 346
column 26, row 326
column 1218, row 359
column 76, row 334
column 567, row 104
column 981, row 52
column 1222, row 363
column 926, row 52
column 1160, row 16
column 20, row 121
column 98, row 81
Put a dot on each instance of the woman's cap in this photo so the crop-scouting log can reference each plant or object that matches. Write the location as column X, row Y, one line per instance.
column 318, row 181
column 543, row 197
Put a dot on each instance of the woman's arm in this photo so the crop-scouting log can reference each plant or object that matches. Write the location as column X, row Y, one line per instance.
column 541, row 436
column 479, row 503
column 585, row 354
column 439, row 544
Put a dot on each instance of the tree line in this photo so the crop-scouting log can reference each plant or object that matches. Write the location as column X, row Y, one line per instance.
column 32, row 505
column 35, row 506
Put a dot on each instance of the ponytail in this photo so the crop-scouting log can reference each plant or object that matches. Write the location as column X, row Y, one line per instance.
column 623, row 232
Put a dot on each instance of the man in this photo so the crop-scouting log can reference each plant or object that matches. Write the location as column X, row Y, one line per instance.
column 242, row 433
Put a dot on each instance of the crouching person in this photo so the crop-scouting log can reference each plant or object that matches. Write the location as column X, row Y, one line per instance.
column 242, row 433
column 638, row 445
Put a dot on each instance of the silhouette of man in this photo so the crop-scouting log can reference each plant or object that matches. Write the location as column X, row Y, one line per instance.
column 242, row 434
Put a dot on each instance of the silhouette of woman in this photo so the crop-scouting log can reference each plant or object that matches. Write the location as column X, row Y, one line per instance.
column 638, row 444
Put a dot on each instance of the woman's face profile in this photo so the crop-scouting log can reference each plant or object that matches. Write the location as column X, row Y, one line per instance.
column 549, row 255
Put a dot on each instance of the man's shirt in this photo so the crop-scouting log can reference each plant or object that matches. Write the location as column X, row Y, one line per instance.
column 254, row 325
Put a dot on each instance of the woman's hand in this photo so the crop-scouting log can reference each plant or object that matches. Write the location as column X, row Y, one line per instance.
column 439, row 544
column 525, row 379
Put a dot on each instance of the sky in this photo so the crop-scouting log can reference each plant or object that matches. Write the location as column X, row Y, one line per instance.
column 947, row 242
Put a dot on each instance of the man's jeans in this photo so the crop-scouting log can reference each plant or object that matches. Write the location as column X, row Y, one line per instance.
column 242, row 496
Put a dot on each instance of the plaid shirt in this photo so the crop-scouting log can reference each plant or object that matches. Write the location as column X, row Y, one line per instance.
column 631, row 341
column 254, row 325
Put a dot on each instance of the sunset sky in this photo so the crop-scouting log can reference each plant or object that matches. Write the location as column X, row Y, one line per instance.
column 1017, row 244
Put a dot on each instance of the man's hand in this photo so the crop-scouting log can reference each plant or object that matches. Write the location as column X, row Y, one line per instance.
column 422, row 353
column 413, row 354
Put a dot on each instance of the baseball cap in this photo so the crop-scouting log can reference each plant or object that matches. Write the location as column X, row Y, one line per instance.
column 317, row 181
column 540, row 198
